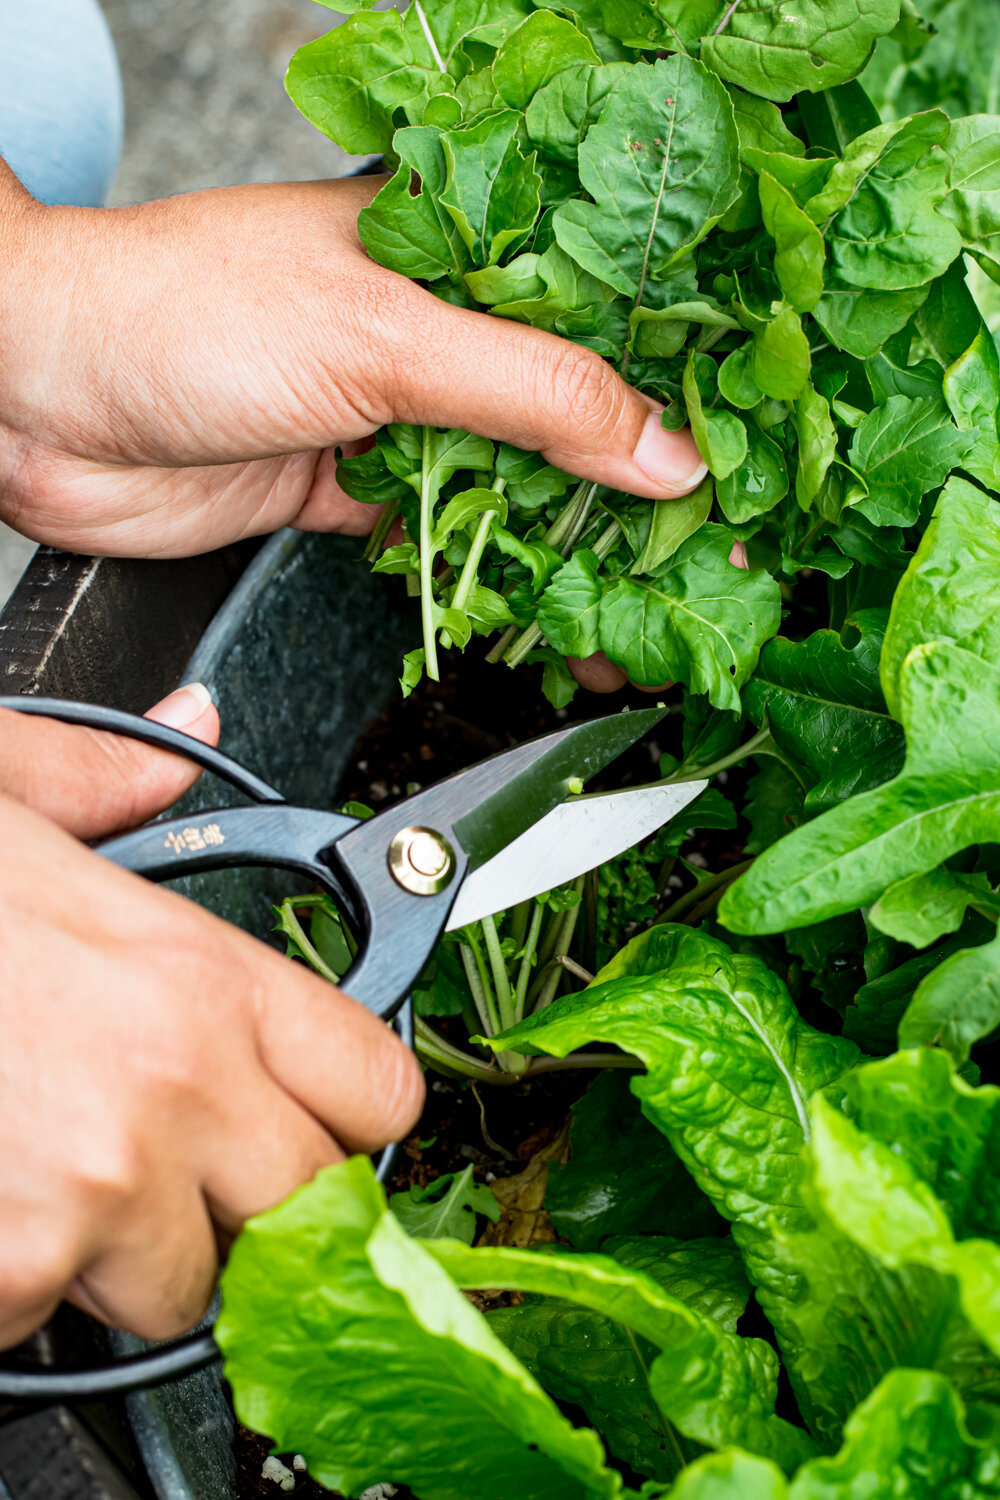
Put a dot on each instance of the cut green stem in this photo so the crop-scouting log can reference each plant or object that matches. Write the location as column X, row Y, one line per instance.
column 527, row 961
column 701, row 891
column 479, row 984
column 501, row 979
column 426, row 564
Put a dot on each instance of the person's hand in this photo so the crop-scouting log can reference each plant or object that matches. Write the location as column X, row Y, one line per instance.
column 162, row 1075
column 175, row 375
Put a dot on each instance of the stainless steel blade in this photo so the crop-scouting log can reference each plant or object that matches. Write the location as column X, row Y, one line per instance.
column 523, row 799
column 573, row 837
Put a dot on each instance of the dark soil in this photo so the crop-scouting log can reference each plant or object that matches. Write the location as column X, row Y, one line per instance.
column 475, row 711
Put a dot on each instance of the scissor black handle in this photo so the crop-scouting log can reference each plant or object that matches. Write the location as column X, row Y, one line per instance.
column 392, row 930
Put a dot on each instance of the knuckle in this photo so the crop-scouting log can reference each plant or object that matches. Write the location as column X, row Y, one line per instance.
column 589, row 388
column 108, row 1169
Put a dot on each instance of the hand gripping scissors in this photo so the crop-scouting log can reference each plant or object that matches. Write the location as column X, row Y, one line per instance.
column 478, row 842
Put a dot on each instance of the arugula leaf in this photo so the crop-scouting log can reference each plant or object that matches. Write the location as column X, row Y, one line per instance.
column 971, row 388
column 560, row 113
column 799, row 248
column 721, row 436
column 973, row 203
column 889, row 234
column 349, row 82
column 821, row 700
column 445, row 1208
column 696, row 619
column 540, row 48
column 383, row 1344
column 904, row 449
column 661, row 165
column 670, row 525
column 569, row 610
column 778, row 52
column 817, row 438
column 757, row 484
column 860, row 322
column 492, row 191
column 414, row 234
column 779, row 358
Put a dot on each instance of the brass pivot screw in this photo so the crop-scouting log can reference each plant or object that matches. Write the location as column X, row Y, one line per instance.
column 421, row 861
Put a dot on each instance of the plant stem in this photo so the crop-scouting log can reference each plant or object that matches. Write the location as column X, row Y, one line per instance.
column 479, row 985
column 432, row 44
column 591, row 895
column 426, row 562
column 704, row 888
column 382, row 527
column 564, row 936
column 437, row 1053
column 529, row 638
column 567, row 524
column 572, row 967
column 519, row 918
column 527, row 961
column 309, row 953
column 501, row 979
column 496, row 651
column 734, row 7
column 523, row 646
column 470, row 567
column 760, row 744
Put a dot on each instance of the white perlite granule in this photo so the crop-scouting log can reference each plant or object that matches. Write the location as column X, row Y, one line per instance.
column 278, row 1473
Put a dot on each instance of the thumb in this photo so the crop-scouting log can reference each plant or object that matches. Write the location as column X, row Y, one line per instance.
column 507, row 381
column 93, row 783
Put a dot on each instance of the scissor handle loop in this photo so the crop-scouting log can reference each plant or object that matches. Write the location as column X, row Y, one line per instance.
column 271, row 833
column 115, row 720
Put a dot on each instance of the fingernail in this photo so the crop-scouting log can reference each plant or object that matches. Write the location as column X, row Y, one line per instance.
column 669, row 459
column 183, row 707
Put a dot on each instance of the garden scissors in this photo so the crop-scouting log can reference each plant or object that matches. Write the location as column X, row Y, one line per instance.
column 478, row 842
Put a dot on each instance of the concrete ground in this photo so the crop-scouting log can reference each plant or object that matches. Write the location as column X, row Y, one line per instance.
column 205, row 107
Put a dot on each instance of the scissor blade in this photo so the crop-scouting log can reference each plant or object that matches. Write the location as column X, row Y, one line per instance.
column 527, row 796
column 572, row 838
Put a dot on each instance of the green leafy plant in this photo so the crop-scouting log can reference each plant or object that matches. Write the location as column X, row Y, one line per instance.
column 779, row 1268
column 874, row 1259
column 705, row 198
